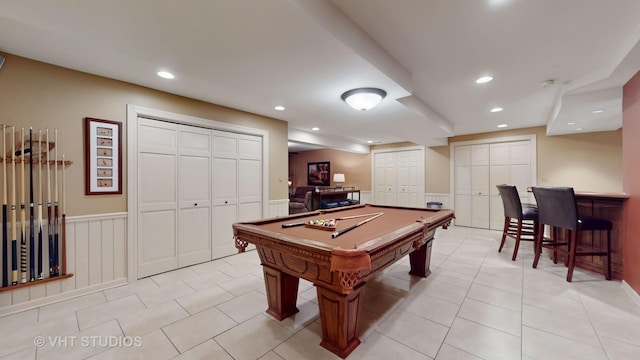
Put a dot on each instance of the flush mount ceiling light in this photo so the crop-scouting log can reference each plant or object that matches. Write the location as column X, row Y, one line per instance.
column 279, row 108
column 484, row 79
column 598, row 111
column 496, row 109
column 165, row 74
column 315, row 128
column 364, row 98
column 503, row 125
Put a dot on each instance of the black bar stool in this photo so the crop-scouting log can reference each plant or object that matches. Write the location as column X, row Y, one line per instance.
column 520, row 220
column 557, row 208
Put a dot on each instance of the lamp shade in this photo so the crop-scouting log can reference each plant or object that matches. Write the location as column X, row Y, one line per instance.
column 364, row 98
column 338, row 178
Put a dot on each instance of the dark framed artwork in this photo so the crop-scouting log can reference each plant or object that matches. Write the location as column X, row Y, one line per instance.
column 318, row 173
column 103, row 157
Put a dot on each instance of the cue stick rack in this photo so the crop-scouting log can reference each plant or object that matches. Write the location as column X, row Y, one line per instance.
column 33, row 236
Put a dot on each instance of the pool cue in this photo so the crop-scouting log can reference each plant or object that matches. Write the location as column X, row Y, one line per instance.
column 32, row 227
column 355, row 216
column 338, row 233
column 49, row 209
column 56, row 221
column 23, row 217
column 338, row 218
column 5, row 234
column 14, row 210
column 40, row 272
column 63, row 241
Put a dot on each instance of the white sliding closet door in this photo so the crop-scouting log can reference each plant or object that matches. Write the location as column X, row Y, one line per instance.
column 225, row 192
column 157, row 196
column 194, row 192
column 478, row 168
column 462, row 187
column 249, row 177
column 398, row 178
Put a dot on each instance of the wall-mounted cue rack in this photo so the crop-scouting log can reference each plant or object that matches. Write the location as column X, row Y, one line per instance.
column 33, row 227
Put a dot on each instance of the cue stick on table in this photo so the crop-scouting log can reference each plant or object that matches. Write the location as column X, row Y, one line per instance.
column 338, row 218
column 338, row 233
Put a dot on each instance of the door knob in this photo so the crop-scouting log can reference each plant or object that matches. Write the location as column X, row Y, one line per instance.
column 196, row 204
column 226, row 202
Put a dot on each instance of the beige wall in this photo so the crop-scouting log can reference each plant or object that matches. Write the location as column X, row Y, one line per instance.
column 355, row 167
column 46, row 96
column 589, row 161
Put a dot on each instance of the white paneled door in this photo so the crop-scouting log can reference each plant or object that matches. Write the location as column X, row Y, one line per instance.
column 157, row 196
column 193, row 184
column 225, row 191
column 194, row 192
column 477, row 171
column 399, row 178
column 237, row 186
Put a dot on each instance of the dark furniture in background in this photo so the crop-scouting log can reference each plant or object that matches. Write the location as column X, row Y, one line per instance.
column 558, row 208
column 299, row 193
column 338, row 267
column 300, row 207
column 520, row 220
column 328, row 198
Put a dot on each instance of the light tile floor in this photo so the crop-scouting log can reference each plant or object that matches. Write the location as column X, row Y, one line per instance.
column 477, row 304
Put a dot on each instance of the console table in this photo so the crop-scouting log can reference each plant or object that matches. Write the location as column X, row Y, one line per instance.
column 334, row 195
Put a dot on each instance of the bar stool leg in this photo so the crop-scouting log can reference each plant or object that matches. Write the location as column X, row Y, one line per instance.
column 608, row 257
column 572, row 254
column 517, row 245
column 537, row 245
column 505, row 229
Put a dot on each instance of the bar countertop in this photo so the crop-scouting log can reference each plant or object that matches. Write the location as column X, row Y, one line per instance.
column 601, row 195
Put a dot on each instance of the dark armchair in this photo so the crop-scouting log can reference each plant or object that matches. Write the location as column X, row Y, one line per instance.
column 299, row 193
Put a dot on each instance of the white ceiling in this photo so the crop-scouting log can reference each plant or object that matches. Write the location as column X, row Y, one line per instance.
column 303, row 54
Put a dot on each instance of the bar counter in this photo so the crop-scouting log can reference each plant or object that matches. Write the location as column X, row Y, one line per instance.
column 609, row 206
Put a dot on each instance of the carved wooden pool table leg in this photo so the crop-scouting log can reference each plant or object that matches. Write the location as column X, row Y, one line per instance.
column 420, row 258
column 282, row 293
column 339, row 318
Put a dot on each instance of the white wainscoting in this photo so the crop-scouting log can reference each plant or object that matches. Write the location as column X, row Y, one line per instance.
column 445, row 199
column 366, row 197
column 96, row 256
column 278, row 208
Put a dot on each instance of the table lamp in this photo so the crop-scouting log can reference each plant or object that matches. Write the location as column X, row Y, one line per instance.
column 338, row 179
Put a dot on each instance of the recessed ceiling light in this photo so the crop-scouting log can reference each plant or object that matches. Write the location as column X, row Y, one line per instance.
column 502, row 125
column 165, row 74
column 598, row 111
column 315, row 128
column 496, row 109
column 579, row 129
column 484, row 79
column 571, row 123
column 279, row 108
column 369, row 141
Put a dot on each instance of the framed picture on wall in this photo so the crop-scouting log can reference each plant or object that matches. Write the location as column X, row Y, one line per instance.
column 103, row 157
column 318, row 173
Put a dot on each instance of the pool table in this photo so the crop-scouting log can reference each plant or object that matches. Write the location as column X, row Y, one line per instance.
column 338, row 265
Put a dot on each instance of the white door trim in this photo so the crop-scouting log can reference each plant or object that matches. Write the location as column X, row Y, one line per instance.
column 398, row 149
column 133, row 112
column 533, row 157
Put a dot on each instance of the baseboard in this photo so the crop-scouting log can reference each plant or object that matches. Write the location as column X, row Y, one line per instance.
column 8, row 310
column 631, row 292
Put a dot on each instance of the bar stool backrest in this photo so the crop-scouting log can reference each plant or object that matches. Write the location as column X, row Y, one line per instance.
column 510, row 201
column 557, row 206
